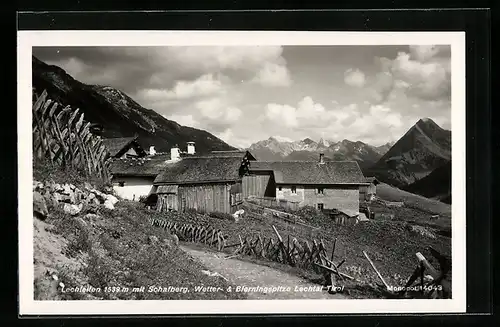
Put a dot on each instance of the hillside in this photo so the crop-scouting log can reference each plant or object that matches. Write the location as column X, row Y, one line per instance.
column 435, row 185
column 105, row 251
column 119, row 115
column 307, row 149
column 425, row 147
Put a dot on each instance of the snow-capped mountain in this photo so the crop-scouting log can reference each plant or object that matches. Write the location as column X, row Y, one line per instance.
column 308, row 149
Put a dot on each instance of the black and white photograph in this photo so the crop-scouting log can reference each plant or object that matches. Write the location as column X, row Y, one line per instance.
column 239, row 169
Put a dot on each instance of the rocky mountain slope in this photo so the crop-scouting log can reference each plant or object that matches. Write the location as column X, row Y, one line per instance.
column 425, row 147
column 436, row 185
column 307, row 149
column 119, row 115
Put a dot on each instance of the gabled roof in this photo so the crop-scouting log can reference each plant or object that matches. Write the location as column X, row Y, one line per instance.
column 119, row 145
column 149, row 166
column 205, row 169
column 232, row 153
column 312, row 172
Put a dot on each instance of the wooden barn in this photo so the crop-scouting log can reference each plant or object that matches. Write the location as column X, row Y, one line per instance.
column 210, row 183
column 124, row 147
column 321, row 184
column 369, row 191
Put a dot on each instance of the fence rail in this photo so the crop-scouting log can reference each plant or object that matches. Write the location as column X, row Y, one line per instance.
column 273, row 202
column 61, row 135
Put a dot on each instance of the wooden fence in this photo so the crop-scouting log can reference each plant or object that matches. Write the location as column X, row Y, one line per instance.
column 191, row 233
column 308, row 255
column 61, row 135
column 273, row 202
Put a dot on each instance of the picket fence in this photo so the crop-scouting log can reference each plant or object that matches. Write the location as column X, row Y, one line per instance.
column 61, row 135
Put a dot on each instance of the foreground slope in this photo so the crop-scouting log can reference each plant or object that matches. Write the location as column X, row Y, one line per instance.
column 120, row 115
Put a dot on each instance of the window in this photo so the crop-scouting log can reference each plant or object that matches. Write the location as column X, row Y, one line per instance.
column 294, row 190
column 320, row 206
column 320, row 190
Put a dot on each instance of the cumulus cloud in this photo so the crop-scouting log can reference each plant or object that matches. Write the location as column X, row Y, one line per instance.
column 424, row 72
column 307, row 113
column 134, row 68
column 205, row 85
column 217, row 114
column 354, row 77
column 273, row 74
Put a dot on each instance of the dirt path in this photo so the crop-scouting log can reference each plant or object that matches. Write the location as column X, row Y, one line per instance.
column 243, row 273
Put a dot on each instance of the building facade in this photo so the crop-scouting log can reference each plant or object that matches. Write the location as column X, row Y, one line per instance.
column 322, row 185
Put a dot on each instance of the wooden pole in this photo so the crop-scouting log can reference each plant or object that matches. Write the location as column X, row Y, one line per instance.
column 374, row 268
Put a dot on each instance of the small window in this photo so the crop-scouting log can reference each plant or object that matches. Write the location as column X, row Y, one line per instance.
column 279, row 188
column 320, row 190
column 294, row 190
column 320, row 206
column 121, row 184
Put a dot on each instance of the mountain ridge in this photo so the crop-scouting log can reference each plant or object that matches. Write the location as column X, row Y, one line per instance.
column 118, row 113
column 423, row 148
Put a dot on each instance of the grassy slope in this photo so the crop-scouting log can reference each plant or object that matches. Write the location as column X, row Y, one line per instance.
column 112, row 248
column 390, row 244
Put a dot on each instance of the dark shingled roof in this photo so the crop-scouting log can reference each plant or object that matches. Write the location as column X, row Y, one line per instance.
column 149, row 166
column 312, row 172
column 200, row 170
column 232, row 153
column 117, row 144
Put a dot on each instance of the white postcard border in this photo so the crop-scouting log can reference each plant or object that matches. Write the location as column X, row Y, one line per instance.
column 29, row 39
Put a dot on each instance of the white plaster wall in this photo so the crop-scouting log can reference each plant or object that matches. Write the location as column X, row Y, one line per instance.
column 130, row 151
column 134, row 187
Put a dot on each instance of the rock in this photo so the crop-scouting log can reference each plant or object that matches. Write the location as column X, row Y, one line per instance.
column 68, row 198
column 57, row 197
column 57, row 187
column 112, row 199
column 109, row 205
column 72, row 187
column 175, row 238
column 87, row 186
column 91, row 216
column 66, row 189
column 72, row 209
column 40, row 206
column 152, row 239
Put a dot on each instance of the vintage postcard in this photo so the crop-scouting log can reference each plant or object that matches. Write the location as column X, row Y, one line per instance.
column 241, row 172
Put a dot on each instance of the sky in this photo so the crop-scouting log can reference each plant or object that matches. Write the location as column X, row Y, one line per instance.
column 244, row 94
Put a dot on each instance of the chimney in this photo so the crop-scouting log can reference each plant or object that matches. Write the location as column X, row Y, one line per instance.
column 190, row 148
column 321, row 158
column 175, row 153
column 152, row 150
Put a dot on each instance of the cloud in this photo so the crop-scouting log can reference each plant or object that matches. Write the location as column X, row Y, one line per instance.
column 184, row 120
column 307, row 113
column 424, row 72
column 132, row 69
column 217, row 114
column 273, row 74
column 205, row 85
column 354, row 77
